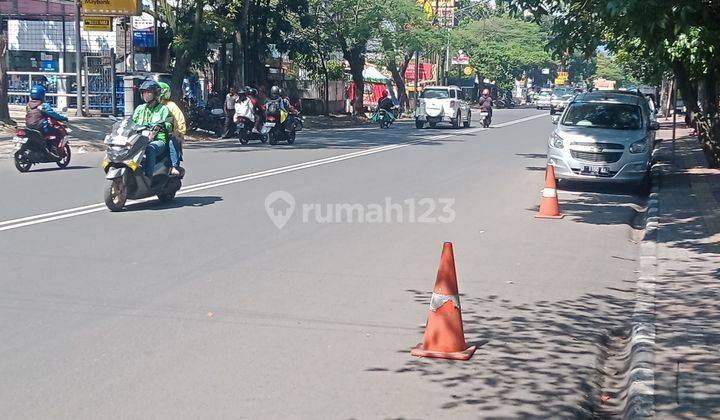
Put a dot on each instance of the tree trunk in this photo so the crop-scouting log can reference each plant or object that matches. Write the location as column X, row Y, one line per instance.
column 398, row 75
column 356, row 59
column 183, row 55
column 4, row 99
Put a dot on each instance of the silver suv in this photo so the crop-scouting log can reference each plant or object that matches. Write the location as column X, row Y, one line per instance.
column 603, row 136
column 443, row 104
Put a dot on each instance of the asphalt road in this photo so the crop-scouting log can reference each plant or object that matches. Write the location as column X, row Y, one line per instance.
column 204, row 308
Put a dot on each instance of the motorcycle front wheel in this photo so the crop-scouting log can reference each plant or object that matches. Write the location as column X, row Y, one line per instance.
column 115, row 194
column 65, row 160
column 22, row 161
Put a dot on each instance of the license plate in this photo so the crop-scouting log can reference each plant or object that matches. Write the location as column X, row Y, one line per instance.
column 20, row 140
column 596, row 170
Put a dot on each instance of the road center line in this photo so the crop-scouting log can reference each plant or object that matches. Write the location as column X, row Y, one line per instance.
column 94, row 208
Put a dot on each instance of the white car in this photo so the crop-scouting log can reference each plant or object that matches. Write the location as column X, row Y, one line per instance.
column 543, row 100
column 443, row 104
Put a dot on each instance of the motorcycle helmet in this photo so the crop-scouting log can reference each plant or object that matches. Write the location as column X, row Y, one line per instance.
column 152, row 86
column 275, row 92
column 37, row 93
column 486, row 92
column 164, row 91
column 252, row 91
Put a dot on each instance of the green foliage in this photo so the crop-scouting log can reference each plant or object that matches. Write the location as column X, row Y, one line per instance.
column 335, row 70
column 503, row 48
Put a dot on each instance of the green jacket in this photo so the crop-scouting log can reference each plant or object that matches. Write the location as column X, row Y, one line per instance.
column 159, row 115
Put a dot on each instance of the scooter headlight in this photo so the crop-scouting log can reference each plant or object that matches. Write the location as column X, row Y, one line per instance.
column 556, row 141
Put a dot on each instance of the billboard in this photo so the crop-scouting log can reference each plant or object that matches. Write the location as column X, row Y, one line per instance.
column 111, row 7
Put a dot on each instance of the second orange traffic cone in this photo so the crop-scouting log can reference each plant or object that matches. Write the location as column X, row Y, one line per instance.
column 444, row 336
column 549, row 206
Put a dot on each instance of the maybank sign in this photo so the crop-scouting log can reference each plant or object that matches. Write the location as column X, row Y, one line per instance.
column 111, row 7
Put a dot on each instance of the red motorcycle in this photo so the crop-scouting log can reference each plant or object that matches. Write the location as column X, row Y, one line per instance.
column 34, row 147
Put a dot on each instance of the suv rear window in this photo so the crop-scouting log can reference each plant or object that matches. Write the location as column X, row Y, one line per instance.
column 603, row 115
column 435, row 94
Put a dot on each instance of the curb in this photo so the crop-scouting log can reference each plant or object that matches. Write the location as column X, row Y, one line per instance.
column 641, row 377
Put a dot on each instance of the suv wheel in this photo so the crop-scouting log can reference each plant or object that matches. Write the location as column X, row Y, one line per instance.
column 419, row 124
column 456, row 121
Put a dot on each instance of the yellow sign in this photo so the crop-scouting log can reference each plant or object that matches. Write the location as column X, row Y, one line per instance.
column 111, row 7
column 97, row 23
column 562, row 75
column 560, row 81
column 468, row 71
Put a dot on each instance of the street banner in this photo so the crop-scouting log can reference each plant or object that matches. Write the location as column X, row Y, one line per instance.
column 111, row 7
column 461, row 59
column 98, row 23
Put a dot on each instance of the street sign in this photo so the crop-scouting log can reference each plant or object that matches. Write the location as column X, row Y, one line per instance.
column 468, row 71
column 562, row 75
column 461, row 59
column 111, row 7
column 545, row 71
column 97, row 23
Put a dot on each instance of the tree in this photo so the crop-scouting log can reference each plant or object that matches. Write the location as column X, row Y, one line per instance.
column 353, row 23
column 682, row 36
column 406, row 29
column 502, row 48
column 609, row 69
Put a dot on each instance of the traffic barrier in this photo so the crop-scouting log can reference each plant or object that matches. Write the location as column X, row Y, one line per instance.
column 549, row 206
column 444, row 336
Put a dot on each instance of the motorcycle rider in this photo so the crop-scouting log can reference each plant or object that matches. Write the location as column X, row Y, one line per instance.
column 177, row 139
column 276, row 103
column 37, row 113
column 252, row 95
column 157, row 116
column 486, row 103
column 385, row 103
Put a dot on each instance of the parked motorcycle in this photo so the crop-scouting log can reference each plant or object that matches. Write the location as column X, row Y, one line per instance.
column 33, row 147
column 123, row 165
column 204, row 118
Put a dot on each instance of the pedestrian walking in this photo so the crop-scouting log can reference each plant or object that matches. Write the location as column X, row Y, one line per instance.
column 230, row 100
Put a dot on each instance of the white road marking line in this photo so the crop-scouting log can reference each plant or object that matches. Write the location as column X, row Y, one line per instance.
column 94, row 208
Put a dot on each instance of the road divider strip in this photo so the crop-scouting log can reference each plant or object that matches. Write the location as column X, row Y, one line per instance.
column 94, row 208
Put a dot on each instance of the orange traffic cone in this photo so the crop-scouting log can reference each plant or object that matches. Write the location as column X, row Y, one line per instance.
column 444, row 336
column 549, row 206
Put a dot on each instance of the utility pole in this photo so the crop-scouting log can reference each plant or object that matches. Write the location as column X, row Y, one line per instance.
column 78, row 60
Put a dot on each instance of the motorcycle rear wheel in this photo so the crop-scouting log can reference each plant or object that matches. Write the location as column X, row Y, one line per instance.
column 65, row 160
column 115, row 194
column 291, row 137
column 166, row 197
column 272, row 138
column 22, row 162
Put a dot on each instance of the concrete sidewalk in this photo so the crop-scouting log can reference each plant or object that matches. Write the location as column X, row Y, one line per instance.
column 687, row 289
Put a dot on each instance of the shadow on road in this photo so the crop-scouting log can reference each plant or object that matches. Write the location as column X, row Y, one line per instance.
column 178, row 202
column 537, row 360
column 56, row 168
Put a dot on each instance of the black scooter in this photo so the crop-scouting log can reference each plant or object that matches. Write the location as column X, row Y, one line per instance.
column 123, row 165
